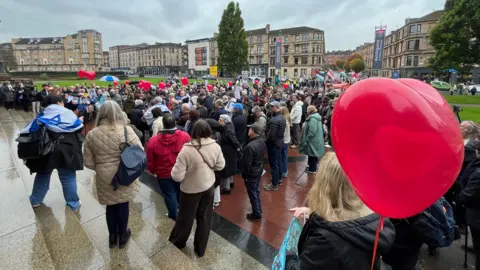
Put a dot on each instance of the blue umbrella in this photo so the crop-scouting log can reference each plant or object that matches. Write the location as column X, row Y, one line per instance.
column 109, row 78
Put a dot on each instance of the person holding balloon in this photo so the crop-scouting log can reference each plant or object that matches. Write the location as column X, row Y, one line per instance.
column 340, row 230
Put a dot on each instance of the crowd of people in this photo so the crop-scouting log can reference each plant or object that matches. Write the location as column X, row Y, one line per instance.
column 197, row 139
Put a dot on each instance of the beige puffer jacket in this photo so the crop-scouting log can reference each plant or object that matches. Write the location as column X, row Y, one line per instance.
column 102, row 154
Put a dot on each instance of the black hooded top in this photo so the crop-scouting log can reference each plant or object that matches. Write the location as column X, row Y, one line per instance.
column 341, row 245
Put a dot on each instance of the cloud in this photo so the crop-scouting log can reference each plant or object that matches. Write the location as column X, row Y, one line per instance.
column 347, row 23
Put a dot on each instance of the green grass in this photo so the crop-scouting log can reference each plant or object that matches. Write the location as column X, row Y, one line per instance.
column 469, row 113
column 460, row 99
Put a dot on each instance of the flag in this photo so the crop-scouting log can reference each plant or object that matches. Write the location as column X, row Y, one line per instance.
column 320, row 77
column 331, row 75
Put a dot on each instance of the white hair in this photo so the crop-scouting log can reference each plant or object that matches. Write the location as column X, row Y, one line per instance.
column 138, row 102
column 111, row 114
column 226, row 118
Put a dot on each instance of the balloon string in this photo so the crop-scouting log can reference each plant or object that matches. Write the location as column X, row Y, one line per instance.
column 377, row 236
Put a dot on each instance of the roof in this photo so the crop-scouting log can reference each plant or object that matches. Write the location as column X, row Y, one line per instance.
column 42, row 40
column 434, row 16
column 198, row 40
column 256, row 32
column 294, row 30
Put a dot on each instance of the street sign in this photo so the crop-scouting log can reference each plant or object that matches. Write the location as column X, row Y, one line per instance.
column 213, row 71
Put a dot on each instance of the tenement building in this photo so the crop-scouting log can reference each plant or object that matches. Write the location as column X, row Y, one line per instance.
column 331, row 57
column 288, row 52
column 407, row 49
column 161, row 59
column 366, row 51
column 82, row 50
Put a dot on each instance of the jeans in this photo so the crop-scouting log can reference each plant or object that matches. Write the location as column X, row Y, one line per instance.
column 284, row 160
column 294, row 132
column 216, row 195
column 117, row 218
column 171, row 194
column 226, row 183
column 274, row 158
column 253, row 191
column 68, row 178
column 312, row 163
column 35, row 108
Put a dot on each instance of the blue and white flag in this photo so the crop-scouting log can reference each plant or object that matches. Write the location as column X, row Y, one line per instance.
column 57, row 119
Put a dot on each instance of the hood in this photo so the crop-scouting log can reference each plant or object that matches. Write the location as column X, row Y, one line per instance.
column 299, row 103
column 315, row 116
column 361, row 232
column 167, row 139
column 204, row 141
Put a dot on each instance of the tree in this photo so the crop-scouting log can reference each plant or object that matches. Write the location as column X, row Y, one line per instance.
column 354, row 56
column 456, row 37
column 340, row 63
column 232, row 41
column 357, row 65
column 346, row 67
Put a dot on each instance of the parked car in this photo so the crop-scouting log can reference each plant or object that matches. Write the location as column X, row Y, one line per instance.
column 440, row 86
column 208, row 77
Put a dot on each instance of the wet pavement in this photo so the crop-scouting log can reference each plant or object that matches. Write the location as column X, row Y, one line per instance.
column 53, row 237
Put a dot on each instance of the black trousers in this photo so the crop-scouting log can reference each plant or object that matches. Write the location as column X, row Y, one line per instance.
column 117, row 218
column 476, row 245
column 197, row 206
column 253, row 191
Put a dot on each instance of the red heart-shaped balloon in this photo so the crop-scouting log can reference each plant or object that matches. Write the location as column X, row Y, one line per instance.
column 81, row 74
column 161, row 85
column 184, row 81
column 398, row 143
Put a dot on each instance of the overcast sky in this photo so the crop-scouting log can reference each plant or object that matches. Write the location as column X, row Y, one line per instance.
column 347, row 23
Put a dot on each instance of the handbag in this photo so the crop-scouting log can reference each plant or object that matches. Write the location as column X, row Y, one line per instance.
column 217, row 179
column 289, row 244
column 133, row 161
column 35, row 145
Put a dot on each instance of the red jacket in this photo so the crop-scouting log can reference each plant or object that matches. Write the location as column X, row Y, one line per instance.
column 162, row 152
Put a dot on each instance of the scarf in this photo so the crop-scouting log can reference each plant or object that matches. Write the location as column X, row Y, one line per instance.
column 57, row 119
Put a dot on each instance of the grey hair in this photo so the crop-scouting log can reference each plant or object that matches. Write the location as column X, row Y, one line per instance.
column 226, row 118
column 157, row 100
column 256, row 109
column 111, row 114
column 138, row 102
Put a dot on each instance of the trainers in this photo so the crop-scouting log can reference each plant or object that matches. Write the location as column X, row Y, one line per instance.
column 78, row 208
column 35, row 205
column 284, row 175
column 293, row 146
column 270, row 187
column 310, row 172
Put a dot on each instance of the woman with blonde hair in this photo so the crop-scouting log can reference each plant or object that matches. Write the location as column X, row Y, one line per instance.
column 286, row 142
column 103, row 146
column 340, row 230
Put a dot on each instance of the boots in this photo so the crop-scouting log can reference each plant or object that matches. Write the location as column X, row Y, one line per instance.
column 123, row 240
column 112, row 240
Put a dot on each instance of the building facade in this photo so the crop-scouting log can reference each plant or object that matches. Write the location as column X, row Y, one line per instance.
column 199, row 59
column 114, row 55
column 82, row 50
column 301, row 50
column 407, row 49
column 161, row 59
column 106, row 60
column 366, row 51
column 332, row 57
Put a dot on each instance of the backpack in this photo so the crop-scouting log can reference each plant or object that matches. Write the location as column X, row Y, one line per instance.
column 133, row 161
column 436, row 225
column 36, row 144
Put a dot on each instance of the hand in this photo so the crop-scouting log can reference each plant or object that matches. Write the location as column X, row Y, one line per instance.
column 300, row 211
column 81, row 118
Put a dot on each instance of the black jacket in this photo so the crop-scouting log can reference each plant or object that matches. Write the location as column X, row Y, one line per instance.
column 240, row 123
column 470, row 197
column 253, row 155
column 341, row 245
column 67, row 154
column 229, row 144
column 203, row 112
column 276, row 129
column 136, row 117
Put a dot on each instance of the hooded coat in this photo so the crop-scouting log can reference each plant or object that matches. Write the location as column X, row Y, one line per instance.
column 312, row 142
column 341, row 245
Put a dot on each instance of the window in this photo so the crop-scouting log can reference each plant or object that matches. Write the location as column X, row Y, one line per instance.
column 320, row 36
column 419, row 28
column 411, row 45
column 408, row 61
column 295, row 72
column 259, row 39
column 297, row 48
column 259, row 59
column 412, row 29
column 304, row 60
column 272, row 61
column 313, row 60
column 285, row 49
column 315, row 36
column 251, row 40
column 286, row 39
column 415, row 61
column 285, row 72
column 273, row 50
column 285, row 60
column 305, row 48
column 260, row 50
column 297, row 38
column 417, row 44
column 305, row 37
column 295, row 60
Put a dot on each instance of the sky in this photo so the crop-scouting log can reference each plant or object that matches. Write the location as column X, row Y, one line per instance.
column 347, row 23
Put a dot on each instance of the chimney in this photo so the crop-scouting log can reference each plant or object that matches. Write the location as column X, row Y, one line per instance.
column 407, row 20
column 267, row 28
